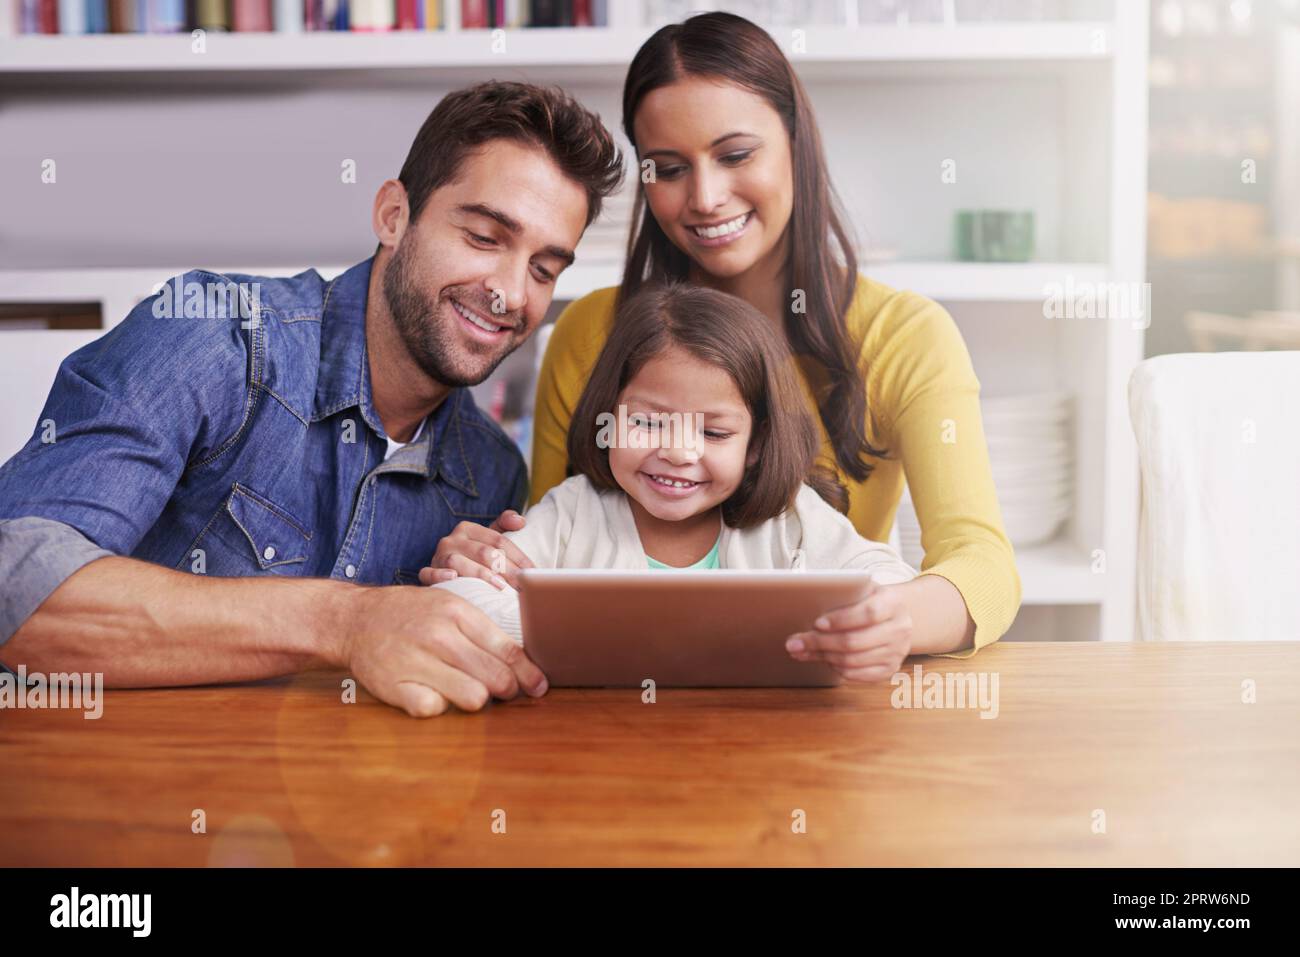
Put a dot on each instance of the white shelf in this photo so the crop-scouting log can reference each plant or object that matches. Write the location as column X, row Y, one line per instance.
column 943, row 281
column 557, row 51
column 946, row 282
column 983, row 282
column 1059, row 573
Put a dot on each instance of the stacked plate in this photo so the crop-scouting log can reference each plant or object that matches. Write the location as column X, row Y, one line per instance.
column 908, row 530
column 1029, row 440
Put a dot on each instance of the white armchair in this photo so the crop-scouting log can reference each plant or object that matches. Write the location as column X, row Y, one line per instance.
column 1218, row 439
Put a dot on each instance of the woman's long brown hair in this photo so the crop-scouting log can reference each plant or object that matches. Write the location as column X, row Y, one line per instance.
column 820, row 258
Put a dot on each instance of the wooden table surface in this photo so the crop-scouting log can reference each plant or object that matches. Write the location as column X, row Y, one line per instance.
column 1154, row 736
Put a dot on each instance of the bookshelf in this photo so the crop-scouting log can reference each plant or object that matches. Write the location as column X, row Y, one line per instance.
column 1047, row 116
column 602, row 52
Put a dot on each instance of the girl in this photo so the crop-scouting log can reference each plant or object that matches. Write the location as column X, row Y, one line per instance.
column 733, row 194
column 691, row 445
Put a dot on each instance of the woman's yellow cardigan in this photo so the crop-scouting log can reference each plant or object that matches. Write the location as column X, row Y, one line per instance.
column 923, row 409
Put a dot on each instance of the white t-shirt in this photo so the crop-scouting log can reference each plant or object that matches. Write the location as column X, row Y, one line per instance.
column 394, row 446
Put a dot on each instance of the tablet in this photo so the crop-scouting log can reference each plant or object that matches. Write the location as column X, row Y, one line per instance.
column 684, row 629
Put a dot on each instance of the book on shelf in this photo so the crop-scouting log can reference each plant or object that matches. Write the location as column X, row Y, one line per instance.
column 72, row 16
column 287, row 16
column 122, row 16
column 211, row 15
column 546, row 13
column 474, row 14
column 372, row 16
column 165, row 16
column 251, row 16
column 40, row 16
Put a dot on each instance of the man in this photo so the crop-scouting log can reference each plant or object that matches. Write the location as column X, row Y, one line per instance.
column 320, row 436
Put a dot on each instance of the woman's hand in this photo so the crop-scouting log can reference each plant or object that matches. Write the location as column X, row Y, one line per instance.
column 866, row 641
column 478, row 552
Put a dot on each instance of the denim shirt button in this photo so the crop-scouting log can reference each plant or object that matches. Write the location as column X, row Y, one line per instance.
column 269, row 553
column 350, row 571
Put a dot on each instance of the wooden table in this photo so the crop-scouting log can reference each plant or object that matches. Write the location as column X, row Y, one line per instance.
column 1156, row 736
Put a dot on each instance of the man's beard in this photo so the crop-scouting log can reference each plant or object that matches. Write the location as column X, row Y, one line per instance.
column 423, row 327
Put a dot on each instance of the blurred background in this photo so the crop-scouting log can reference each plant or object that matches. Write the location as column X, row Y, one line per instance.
column 1005, row 157
column 1224, row 235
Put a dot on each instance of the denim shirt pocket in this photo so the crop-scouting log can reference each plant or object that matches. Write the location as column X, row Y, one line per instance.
column 465, row 506
column 276, row 537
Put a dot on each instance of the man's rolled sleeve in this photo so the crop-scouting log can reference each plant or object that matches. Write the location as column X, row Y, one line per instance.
column 37, row 555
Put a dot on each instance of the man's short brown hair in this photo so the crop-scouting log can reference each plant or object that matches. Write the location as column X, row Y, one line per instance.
column 546, row 117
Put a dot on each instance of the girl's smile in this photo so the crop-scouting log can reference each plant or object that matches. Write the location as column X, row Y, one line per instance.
column 686, row 471
column 672, row 487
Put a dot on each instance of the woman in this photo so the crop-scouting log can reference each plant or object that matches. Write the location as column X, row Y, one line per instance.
column 734, row 195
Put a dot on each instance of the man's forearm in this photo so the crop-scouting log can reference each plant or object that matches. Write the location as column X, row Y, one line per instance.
column 142, row 625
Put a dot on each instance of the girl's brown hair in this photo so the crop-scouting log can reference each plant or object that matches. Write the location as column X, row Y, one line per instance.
column 820, row 259
column 729, row 333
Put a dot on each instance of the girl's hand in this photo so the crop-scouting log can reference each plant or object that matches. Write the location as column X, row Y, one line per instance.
column 866, row 641
column 478, row 552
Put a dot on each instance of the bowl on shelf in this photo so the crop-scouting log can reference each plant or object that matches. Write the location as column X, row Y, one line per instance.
column 994, row 235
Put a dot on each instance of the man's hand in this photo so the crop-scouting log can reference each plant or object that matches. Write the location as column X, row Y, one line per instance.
column 866, row 641
column 425, row 649
column 478, row 552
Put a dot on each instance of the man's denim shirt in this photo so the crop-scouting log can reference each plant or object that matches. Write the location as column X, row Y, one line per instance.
column 249, row 445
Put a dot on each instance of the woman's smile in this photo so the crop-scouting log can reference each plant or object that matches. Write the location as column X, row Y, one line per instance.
column 720, row 232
